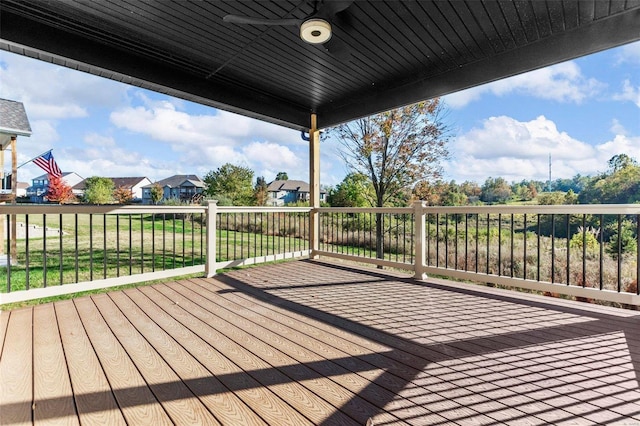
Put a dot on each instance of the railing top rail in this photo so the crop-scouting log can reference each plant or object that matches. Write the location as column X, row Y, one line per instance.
column 388, row 210
column 263, row 209
column 95, row 209
column 540, row 209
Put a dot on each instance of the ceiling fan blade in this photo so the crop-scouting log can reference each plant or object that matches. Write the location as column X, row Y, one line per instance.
column 330, row 8
column 247, row 20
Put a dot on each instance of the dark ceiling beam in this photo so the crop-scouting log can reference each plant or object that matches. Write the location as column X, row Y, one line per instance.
column 42, row 41
column 601, row 35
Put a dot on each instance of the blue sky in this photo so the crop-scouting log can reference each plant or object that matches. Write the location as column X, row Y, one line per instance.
column 580, row 112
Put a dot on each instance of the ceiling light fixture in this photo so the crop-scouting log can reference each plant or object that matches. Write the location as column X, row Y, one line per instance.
column 315, row 31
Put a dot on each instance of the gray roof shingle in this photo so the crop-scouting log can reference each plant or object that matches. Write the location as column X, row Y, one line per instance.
column 13, row 118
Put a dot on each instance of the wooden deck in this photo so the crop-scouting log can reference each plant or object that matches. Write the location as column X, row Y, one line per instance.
column 310, row 342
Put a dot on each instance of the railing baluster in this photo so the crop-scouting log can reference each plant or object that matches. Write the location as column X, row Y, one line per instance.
column 619, row 256
column 44, row 250
column 173, row 241
column 499, row 244
column 141, row 243
column 553, row 248
column 477, row 238
column 524, row 249
column 104, row 246
column 90, row 247
column 8, row 221
column 60, row 257
column 601, row 261
column 584, row 250
column 512, row 232
column 638, row 254
column 27, row 265
column 153, row 242
column 538, row 248
column 130, row 245
column 117, row 244
column 568, row 225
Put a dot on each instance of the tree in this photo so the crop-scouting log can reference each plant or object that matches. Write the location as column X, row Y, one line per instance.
column 59, row 191
column 156, row 193
column 233, row 182
column 495, row 190
column 260, row 191
column 282, row 176
column 98, row 190
column 395, row 149
column 620, row 185
column 620, row 161
column 123, row 195
column 355, row 190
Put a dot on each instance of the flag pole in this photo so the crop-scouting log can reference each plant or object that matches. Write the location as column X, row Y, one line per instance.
column 27, row 162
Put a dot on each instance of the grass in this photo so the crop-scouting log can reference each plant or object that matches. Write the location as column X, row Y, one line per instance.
column 103, row 247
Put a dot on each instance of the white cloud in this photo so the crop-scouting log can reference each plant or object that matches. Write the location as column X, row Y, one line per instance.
column 164, row 122
column 562, row 83
column 629, row 93
column 518, row 150
column 51, row 92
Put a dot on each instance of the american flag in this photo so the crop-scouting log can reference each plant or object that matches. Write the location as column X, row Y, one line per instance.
column 48, row 164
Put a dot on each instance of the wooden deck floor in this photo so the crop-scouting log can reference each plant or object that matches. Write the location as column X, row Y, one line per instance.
column 311, row 342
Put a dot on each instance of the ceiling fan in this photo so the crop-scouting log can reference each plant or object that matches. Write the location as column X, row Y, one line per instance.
column 315, row 29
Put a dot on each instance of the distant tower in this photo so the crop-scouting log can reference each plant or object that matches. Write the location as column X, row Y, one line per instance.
column 549, row 185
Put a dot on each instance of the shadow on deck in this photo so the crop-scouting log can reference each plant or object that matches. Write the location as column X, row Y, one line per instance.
column 311, row 342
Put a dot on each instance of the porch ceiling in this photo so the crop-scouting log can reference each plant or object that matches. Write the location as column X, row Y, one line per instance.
column 400, row 52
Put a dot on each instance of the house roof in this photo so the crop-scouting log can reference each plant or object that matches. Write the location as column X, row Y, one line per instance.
column 13, row 121
column 289, row 185
column 175, row 181
column 382, row 54
column 45, row 176
column 118, row 182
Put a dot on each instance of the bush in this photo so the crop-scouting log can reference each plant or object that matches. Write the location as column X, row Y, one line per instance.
column 589, row 239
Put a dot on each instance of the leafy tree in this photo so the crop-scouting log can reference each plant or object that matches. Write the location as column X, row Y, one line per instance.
column 355, row 190
column 233, row 182
column 282, row 176
column 440, row 193
column 395, row 149
column 260, row 191
column 472, row 190
column 620, row 161
column 156, row 193
column 98, row 190
column 620, row 185
column 626, row 239
column 59, row 191
column 495, row 190
column 123, row 195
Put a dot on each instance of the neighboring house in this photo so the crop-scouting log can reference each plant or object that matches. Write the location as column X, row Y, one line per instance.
column 135, row 184
column 177, row 187
column 40, row 185
column 283, row 192
column 21, row 190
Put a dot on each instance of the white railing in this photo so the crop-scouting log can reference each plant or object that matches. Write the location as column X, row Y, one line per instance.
column 584, row 251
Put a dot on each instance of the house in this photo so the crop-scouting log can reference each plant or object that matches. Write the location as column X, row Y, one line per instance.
column 177, row 187
column 135, row 184
column 40, row 186
column 281, row 192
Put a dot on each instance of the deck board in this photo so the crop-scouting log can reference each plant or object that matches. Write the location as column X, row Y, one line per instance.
column 16, row 389
column 312, row 342
column 52, row 393
column 137, row 401
column 94, row 399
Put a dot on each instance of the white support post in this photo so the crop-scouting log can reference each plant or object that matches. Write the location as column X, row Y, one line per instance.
column 314, row 186
column 420, row 240
column 212, row 213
